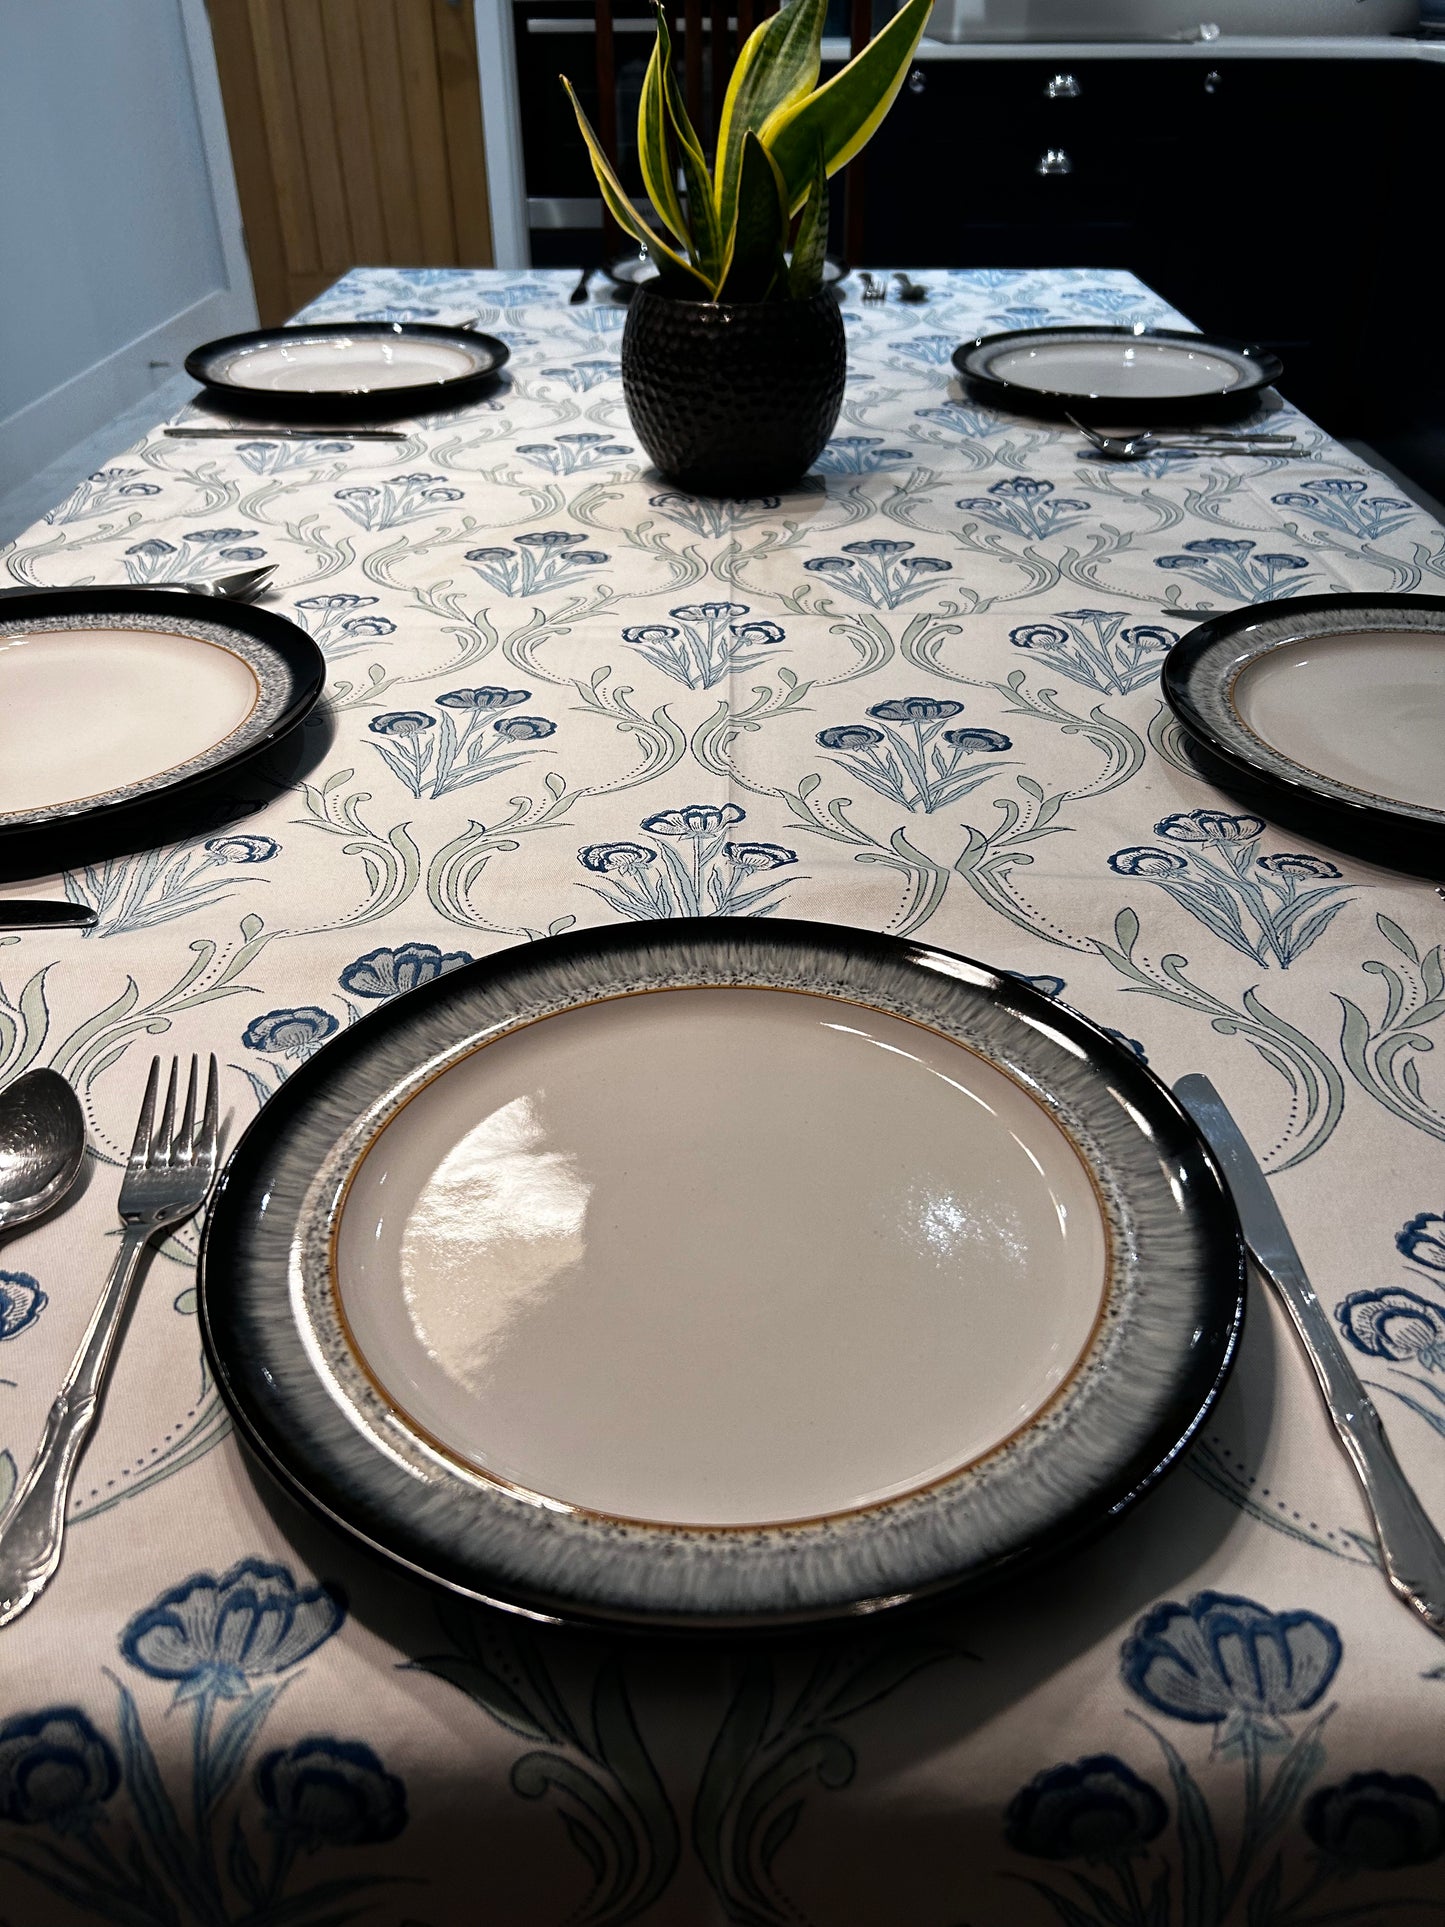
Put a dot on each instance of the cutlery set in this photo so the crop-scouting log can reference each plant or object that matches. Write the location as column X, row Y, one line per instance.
column 168, row 1176
column 1196, row 441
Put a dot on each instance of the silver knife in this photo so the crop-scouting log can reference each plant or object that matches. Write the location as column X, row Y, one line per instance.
column 28, row 913
column 1412, row 1550
column 289, row 434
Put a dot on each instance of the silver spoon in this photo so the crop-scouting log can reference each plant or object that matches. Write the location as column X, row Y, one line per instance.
column 42, row 1145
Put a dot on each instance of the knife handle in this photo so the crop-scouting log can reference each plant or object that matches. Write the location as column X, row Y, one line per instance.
column 1412, row 1550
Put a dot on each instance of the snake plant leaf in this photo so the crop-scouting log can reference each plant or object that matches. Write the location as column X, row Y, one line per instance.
column 706, row 237
column 652, row 122
column 755, row 264
column 778, row 66
column 810, row 244
column 844, row 113
column 671, row 266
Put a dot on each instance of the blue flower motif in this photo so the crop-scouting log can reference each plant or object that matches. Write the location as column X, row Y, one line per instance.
column 709, row 611
column 1209, row 826
column 696, row 820
column 1395, row 1324
column 1376, row 1822
column 1046, row 986
column 551, row 539
column 1096, row 1809
column 385, row 973
column 370, row 626
column 401, row 722
column 1218, row 545
column 1141, row 861
column 243, row 849
column 974, row 742
column 339, row 600
column 524, row 729
column 1422, row 1241
column 756, row 633
column 489, row 697
column 153, row 549
column 290, row 1033
column 751, row 858
column 1289, row 865
column 1022, row 487
column 55, row 1770
column 324, row 1792
column 21, row 1302
column 214, row 1635
column 615, row 859
column 916, row 709
column 849, row 736
column 879, row 545
column 1220, row 1659
column 218, row 535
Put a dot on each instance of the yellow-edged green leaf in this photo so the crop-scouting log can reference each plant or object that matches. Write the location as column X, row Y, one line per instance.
column 615, row 198
column 755, row 262
column 845, row 112
column 706, row 239
column 652, row 135
column 778, row 66
column 810, row 244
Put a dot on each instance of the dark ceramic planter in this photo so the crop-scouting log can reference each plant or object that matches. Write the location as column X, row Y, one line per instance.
column 733, row 398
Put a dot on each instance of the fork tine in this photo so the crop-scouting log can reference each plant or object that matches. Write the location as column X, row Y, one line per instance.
column 164, row 1143
column 185, row 1148
column 140, row 1149
column 210, row 1123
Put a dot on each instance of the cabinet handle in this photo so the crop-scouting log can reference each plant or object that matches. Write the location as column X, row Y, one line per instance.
column 917, row 81
column 1212, row 81
column 1054, row 161
column 1063, row 87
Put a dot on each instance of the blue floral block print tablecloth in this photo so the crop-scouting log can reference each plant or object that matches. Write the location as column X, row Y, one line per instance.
column 919, row 694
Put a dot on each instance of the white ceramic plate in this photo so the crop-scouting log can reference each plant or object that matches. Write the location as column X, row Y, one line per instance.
column 110, row 698
column 707, row 1274
column 1335, row 706
column 1150, row 373
column 352, row 368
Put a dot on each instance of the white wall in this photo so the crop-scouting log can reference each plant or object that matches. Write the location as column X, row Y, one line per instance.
column 120, row 234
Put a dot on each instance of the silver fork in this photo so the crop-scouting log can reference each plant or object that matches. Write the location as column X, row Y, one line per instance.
column 873, row 290
column 167, row 1177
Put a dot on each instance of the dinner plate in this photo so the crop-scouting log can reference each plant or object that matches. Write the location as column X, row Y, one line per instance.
column 719, row 1273
column 1149, row 375
column 117, row 703
column 349, row 369
column 1328, row 713
column 629, row 271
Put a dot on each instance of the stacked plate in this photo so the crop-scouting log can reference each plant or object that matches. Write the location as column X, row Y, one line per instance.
column 1145, row 376
column 121, row 710
column 348, row 371
column 1328, row 714
column 706, row 1276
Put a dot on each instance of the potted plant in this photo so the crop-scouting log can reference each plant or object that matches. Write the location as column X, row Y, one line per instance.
column 733, row 359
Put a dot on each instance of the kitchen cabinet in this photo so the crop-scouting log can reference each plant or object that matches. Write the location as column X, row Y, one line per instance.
column 1263, row 197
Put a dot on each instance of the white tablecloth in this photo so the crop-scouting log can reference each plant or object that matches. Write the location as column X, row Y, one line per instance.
column 540, row 653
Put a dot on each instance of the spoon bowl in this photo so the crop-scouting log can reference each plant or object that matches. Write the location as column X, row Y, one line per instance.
column 42, row 1145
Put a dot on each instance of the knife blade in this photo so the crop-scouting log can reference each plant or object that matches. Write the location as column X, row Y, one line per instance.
column 1412, row 1550
column 288, row 434
column 29, row 913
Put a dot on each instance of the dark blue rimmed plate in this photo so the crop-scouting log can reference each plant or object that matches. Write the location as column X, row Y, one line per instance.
column 720, row 1274
column 1327, row 713
column 1146, row 377
column 348, row 371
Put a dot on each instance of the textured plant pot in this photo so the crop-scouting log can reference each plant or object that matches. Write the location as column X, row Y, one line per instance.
column 733, row 398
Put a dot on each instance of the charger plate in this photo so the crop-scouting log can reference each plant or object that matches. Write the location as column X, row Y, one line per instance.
column 348, row 370
column 720, row 1273
column 117, row 705
column 1327, row 713
column 1145, row 376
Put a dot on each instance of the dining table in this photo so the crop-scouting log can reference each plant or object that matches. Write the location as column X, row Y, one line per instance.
column 562, row 693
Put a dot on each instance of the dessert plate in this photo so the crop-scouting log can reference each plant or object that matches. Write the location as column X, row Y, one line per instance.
column 720, row 1273
column 1328, row 712
column 116, row 701
column 629, row 271
column 1145, row 375
column 348, row 370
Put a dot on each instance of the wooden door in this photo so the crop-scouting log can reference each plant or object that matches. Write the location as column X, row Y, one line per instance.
column 356, row 131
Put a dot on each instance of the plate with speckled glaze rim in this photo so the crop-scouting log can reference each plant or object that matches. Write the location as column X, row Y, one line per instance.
column 348, row 370
column 1327, row 713
column 1146, row 377
column 629, row 271
column 118, row 703
column 720, row 1274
